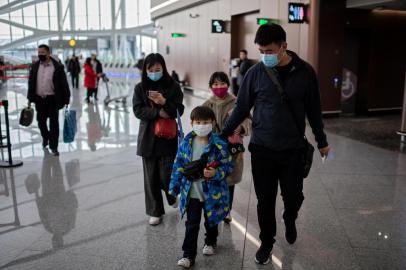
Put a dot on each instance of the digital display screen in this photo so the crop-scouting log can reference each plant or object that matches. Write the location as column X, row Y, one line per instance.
column 297, row 13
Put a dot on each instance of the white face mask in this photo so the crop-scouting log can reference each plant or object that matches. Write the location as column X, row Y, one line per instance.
column 202, row 130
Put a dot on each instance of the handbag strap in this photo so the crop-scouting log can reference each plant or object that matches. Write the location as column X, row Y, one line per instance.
column 179, row 121
column 285, row 98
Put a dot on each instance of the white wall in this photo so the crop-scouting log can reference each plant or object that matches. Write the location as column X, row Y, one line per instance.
column 201, row 53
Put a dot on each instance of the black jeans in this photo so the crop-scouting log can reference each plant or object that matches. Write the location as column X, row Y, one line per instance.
column 231, row 191
column 194, row 216
column 47, row 108
column 75, row 80
column 268, row 169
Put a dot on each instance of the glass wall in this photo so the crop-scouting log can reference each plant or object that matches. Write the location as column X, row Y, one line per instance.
column 89, row 15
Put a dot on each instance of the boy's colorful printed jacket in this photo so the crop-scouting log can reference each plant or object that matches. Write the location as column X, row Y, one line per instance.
column 215, row 189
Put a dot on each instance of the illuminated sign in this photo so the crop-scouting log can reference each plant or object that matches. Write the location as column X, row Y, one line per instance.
column 178, row 35
column 297, row 13
column 72, row 42
column 218, row 26
column 262, row 21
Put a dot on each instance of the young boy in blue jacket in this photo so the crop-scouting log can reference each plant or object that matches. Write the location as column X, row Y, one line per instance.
column 208, row 193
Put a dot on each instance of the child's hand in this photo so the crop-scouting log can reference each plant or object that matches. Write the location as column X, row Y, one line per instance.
column 209, row 172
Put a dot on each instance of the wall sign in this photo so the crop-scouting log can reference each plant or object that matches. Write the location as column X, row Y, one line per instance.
column 178, row 35
column 297, row 13
column 218, row 26
column 262, row 21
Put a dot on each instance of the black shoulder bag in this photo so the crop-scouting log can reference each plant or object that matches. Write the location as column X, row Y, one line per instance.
column 193, row 170
column 308, row 148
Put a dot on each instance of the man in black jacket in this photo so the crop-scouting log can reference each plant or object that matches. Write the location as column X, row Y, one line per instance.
column 98, row 68
column 74, row 69
column 277, row 143
column 244, row 65
column 48, row 88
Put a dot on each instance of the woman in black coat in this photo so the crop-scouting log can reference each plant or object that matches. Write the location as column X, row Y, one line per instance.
column 156, row 96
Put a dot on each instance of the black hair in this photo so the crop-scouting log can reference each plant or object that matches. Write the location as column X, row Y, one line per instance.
column 270, row 33
column 219, row 76
column 244, row 51
column 88, row 61
column 44, row 46
column 202, row 113
column 150, row 60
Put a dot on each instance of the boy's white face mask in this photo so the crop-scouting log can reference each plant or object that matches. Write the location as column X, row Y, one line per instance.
column 202, row 130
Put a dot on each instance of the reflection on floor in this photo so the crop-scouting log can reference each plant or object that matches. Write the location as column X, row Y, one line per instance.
column 85, row 209
column 379, row 130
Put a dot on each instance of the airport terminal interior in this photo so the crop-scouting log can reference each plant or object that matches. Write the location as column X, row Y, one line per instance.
column 86, row 208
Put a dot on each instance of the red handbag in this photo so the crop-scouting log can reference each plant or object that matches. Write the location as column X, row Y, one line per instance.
column 165, row 128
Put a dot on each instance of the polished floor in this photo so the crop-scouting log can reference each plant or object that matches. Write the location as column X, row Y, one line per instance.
column 85, row 209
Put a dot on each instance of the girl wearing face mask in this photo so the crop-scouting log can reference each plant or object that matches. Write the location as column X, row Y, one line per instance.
column 156, row 96
column 208, row 194
column 222, row 103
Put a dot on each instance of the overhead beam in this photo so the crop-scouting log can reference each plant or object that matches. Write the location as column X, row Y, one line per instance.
column 13, row 6
column 19, row 25
column 42, row 34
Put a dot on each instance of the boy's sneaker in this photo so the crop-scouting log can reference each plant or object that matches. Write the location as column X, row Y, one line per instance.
column 153, row 221
column 263, row 255
column 209, row 250
column 228, row 218
column 186, row 262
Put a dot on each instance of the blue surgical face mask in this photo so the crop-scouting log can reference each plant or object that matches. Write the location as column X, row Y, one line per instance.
column 155, row 76
column 270, row 60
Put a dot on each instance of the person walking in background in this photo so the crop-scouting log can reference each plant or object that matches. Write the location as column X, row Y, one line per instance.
column 277, row 143
column 74, row 69
column 156, row 96
column 48, row 89
column 98, row 68
column 243, row 66
column 222, row 103
column 90, row 79
column 140, row 62
column 2, row 72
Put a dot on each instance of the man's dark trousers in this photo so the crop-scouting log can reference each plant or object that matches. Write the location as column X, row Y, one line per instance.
column 268, row 169
column 75, row 80
column 47, row 108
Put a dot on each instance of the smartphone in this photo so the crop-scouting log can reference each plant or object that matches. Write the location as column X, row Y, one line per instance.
column 152, row 93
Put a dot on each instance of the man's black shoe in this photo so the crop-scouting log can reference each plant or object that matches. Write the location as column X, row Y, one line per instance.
column 55, row 152
column 290, row 233
column 263, row 255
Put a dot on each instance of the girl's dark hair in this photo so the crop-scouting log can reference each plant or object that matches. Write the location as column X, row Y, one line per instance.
column 202, row 113
column 150, row 60
column 270, row 33
column 219, row 76
column 88, row 61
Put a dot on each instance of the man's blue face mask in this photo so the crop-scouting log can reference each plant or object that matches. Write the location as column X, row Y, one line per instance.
column 270, row 60
column 155, row 76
